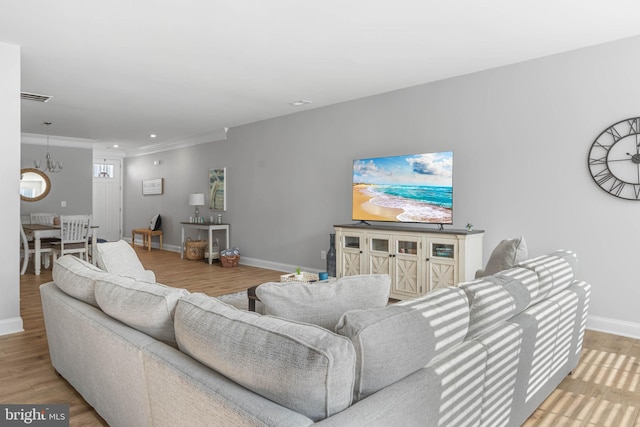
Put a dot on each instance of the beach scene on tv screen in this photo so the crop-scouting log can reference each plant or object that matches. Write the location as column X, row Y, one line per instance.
column 412, row 188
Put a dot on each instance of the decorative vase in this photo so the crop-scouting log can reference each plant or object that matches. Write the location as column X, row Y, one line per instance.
column 331, row 256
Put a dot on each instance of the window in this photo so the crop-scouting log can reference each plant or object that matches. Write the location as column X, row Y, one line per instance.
column 28, row 192
column 103, row 170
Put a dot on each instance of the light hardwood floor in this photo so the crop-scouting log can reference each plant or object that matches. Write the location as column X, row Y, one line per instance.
column 604, row 389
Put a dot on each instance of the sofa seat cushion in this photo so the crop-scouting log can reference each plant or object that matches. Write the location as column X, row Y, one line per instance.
column 120, row 258
column 147, row 307
column 496, row 298
column 302, row 367
column 397, row 340
column 323, row 304
column 76, row 277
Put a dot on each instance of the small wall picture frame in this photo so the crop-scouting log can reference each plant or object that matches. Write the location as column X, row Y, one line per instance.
column 218, row 189
column 152, row 186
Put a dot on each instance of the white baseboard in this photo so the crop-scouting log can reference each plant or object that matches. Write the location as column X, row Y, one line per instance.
column 613, row 326
column 156, row 245
column 253, row 262
column 11, row 326
column 171, row 248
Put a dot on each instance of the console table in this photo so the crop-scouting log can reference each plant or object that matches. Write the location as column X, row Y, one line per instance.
column 210, row 227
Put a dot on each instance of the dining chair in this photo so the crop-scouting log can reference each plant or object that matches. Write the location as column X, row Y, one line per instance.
column 42, row 218
column 27, row 248
column 45, row 219
column 74, row 236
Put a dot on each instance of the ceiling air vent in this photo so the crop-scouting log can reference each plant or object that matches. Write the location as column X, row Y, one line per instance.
column 34, row 97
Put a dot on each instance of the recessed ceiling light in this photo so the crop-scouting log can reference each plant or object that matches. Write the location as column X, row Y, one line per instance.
column 115, row 145
column 300, row 103
column 153, row 135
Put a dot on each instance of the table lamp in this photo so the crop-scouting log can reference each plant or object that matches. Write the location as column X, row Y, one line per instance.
column 196, row 199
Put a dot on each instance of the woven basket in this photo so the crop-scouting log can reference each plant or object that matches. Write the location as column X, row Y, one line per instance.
column 229, row 260
column 194, row 249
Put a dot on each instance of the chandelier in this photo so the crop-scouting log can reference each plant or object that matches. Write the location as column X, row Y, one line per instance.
column 51, row 166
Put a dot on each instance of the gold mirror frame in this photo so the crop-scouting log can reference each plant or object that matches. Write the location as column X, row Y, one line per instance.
column 46, row 181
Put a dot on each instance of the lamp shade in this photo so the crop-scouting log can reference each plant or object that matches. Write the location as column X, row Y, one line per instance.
column 196, row 199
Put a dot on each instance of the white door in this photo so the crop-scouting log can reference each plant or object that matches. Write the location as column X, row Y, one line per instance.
column 107, row 198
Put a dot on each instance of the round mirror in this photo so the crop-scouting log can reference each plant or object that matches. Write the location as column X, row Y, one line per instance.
column 34, row 185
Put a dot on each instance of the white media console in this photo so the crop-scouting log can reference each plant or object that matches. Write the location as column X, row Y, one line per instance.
column 417, row 259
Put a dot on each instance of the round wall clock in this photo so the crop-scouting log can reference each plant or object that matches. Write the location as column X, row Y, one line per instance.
column 614, row 159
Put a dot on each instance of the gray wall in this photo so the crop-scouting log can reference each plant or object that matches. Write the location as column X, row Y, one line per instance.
column 184, row 171
column 520, row 136
column 73, row 185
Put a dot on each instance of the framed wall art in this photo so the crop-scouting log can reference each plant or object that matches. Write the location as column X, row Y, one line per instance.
column 218, row 189
column 152, row 186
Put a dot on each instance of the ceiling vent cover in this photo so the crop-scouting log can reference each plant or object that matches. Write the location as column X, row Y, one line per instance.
column 34, row 97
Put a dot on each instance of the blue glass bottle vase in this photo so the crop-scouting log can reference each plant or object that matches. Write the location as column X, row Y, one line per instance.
column 331, row 256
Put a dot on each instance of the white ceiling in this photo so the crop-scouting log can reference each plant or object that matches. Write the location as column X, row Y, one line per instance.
column 119, row 70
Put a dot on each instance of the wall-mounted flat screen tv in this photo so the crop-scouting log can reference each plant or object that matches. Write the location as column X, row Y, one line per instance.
column 414, row 188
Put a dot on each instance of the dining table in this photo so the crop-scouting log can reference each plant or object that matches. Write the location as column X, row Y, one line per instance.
column 43, row 231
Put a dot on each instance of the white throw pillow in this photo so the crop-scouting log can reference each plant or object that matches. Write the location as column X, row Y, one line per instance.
column 323, row 304
column 120, row 258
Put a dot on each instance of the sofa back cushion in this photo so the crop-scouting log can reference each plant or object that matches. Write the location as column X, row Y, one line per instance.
column 120, row 258
column 322, row 304
column 147, row 307
column 397, row 340
column 300, row 366
column 555, row 272
column 76, row 277
column 494, row 299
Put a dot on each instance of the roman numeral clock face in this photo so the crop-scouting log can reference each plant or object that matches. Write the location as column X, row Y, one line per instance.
column 614, row 159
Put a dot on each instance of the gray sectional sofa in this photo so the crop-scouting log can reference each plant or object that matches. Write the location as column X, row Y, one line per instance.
column 485, row 353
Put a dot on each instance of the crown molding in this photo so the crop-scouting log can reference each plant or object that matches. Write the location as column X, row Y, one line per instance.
column 57, row 141
column 203, row 138
column 108, row 153
column 63, row 141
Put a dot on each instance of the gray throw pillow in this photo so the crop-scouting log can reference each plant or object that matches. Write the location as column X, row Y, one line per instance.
column 506, row 255
column 323, row 304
